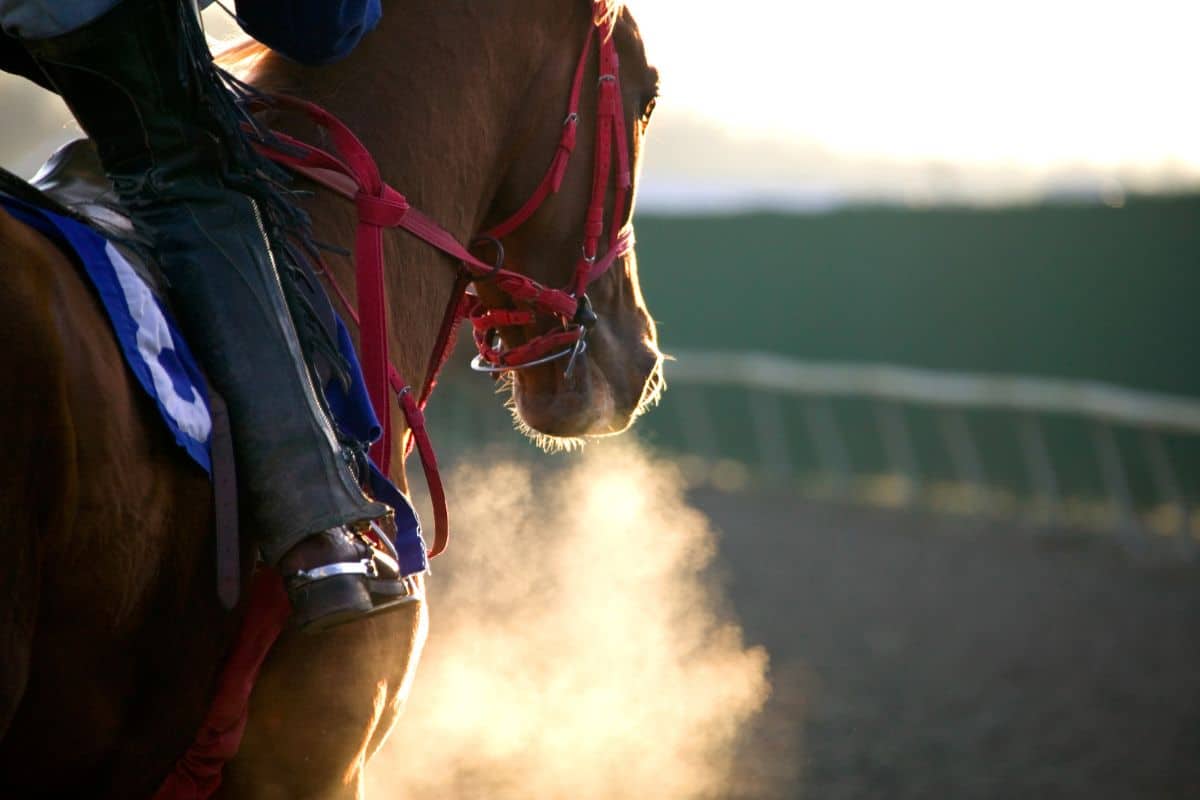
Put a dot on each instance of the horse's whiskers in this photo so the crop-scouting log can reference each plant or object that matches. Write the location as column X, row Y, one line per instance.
column 652, row 392
column 544, row 441
column 506, row 385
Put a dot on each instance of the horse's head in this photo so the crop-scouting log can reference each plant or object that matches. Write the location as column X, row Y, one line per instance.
column 578, row 237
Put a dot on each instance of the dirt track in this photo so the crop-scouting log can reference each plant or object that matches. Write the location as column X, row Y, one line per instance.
column 916, row 657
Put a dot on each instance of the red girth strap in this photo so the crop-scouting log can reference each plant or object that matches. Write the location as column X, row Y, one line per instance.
column 197, row 773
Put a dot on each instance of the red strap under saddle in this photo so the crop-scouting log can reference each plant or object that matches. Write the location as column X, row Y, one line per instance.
column 197, row 774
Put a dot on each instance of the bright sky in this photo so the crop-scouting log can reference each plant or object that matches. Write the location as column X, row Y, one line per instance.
column 920, row 100
column 1027, row 81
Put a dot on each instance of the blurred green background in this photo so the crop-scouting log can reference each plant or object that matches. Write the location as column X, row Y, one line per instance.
column 1083, row 291
column 1080, row 291
column 1075, row 290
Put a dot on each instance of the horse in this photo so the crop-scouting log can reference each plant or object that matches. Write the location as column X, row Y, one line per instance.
column 112, row 632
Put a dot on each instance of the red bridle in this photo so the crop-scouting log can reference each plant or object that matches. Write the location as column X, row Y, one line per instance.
column 352, row 173
column 610, row 129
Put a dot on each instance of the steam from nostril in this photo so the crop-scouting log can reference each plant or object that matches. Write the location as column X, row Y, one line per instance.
column 578, row 648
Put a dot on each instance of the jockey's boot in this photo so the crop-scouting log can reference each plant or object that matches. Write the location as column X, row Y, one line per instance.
column 141, row 82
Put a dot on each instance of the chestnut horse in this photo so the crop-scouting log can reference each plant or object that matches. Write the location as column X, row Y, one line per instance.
column 110, row 629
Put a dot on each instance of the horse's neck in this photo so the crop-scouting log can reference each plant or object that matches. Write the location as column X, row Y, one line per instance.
column 434, row 95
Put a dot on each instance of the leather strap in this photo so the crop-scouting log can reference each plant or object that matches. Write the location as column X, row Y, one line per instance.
column 225, row 504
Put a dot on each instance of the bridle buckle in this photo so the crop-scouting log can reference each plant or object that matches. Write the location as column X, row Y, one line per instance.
column 585, row 315
column 499, row 248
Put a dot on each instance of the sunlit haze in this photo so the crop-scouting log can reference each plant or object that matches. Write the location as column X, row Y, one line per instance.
column 991, row 97
column 811, row 104
column 1024, row 80
column 582, row 648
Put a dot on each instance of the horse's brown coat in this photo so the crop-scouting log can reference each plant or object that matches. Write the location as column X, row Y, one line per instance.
column 104, row 530
column 113, row 634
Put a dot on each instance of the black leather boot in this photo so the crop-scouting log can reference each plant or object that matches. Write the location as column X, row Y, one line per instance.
column 140, row 81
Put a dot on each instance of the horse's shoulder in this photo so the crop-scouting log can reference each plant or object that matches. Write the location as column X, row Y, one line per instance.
column 23, row 245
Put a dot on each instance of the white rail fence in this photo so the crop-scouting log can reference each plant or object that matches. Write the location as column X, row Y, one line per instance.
column 767, row 380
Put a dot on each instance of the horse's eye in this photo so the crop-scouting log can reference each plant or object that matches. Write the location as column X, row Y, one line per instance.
column 648, row 102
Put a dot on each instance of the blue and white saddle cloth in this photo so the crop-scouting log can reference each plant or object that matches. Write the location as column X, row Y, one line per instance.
column 159, row 358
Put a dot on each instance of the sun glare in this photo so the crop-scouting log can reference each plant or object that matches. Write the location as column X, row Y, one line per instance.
column 1023, row 81
column 813, row 103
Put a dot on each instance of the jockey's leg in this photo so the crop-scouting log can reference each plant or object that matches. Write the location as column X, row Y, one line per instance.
column 141, row 82
column 15, row 60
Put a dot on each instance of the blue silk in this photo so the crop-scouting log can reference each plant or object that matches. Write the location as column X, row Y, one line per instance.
column 313, row 32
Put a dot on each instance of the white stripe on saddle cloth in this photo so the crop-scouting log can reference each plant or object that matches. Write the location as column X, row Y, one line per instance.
column 190, row 413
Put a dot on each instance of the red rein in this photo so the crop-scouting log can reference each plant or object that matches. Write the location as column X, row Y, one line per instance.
column 352, row 172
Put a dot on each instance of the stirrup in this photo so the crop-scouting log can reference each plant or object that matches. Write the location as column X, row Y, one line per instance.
column 334, row 594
